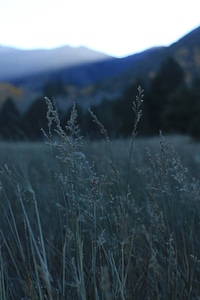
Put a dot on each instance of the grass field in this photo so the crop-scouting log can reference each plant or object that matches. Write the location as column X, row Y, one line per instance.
column 100, row 220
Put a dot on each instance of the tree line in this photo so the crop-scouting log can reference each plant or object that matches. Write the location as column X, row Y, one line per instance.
column 170, row 105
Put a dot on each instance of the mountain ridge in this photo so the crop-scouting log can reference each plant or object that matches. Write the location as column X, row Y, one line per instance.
column 16, row 63
column 92, row 81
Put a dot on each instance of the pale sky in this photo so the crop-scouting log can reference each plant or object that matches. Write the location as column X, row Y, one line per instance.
column 118, row 28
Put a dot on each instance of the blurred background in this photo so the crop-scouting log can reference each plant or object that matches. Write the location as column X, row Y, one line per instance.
column 96, row 54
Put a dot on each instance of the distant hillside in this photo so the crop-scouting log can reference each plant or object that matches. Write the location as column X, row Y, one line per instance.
column 17, row 63
column 89, row 73
column 88, row 76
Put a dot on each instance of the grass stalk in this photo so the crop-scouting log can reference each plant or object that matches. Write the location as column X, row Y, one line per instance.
column 42, row 258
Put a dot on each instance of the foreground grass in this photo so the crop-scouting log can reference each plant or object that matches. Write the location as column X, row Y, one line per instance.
column 100, row 220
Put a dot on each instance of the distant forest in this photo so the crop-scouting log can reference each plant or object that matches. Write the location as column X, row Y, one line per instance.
column 170, row 105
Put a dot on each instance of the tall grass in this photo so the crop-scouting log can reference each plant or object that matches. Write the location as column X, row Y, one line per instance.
column 98, row 220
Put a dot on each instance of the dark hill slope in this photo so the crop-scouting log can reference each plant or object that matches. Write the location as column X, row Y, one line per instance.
column 104, row 76
column 187, row 52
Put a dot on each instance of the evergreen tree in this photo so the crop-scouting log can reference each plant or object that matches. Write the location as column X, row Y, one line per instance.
column 35, row 119
column 182, row 113
column 54, row 88
column 169, row 78
column 10, row 121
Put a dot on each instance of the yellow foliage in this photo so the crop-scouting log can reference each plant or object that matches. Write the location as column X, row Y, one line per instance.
column 8, row 90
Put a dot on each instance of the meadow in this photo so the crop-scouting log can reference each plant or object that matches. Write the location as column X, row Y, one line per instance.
column 107, row 219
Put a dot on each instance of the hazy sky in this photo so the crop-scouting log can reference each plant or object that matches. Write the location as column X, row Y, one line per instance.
column 116, row 27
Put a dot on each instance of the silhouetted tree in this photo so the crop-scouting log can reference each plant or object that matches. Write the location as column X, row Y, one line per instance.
column 10, row 121
column 54, row 88
column 194, row 128
column 169, row 78
column 35, row 119
column 182, row 113
column 177, row 114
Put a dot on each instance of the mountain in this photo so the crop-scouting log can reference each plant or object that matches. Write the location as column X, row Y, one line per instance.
column 87, row 77
column 187, row 52
column 17, row 63
column 88, row 73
